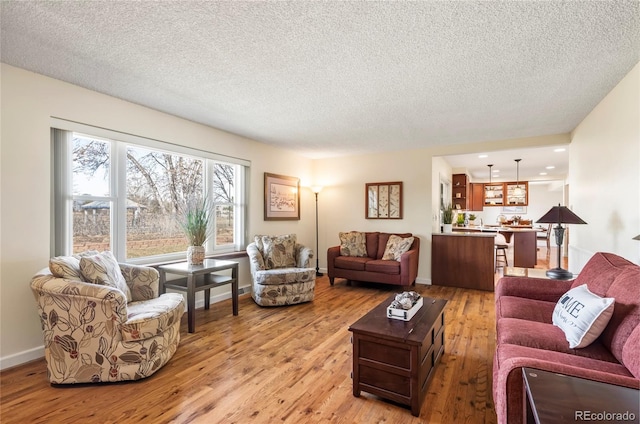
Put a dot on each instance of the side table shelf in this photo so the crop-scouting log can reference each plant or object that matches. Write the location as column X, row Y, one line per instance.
column 194, row 284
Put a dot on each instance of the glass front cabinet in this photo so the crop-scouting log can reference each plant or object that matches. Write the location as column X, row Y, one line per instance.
column 506, row 194
column 494, row 194
column 518, row 194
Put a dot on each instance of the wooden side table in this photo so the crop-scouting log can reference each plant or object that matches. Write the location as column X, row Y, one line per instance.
column 552, row 398
column 194, row 284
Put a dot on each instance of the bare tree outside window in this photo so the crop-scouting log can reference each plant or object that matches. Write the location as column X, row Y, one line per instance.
column 157, row 184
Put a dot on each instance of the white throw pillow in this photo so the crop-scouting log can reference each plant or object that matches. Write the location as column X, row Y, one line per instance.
column 103, row 269
column 582, row 315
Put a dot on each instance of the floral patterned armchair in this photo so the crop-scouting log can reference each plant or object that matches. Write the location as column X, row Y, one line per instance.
column 280, row 271
column 96, row 332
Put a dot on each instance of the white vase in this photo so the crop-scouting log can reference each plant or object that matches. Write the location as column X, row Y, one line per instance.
column 447, row 228
column 195, row 255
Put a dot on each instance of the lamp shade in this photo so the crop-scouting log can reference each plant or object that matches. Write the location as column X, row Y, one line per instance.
column 561, row 215
column 636, row 237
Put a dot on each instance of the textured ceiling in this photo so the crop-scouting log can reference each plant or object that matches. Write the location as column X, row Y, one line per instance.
column 336, row 78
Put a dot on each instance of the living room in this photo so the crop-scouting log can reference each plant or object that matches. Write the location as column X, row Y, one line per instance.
column 604, row 184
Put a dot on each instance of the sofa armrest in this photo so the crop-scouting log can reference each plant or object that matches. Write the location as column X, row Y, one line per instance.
column 409, row 267
column 68, row 305
column 532, row 288
column 303, row 256
column 256, row 261
column 143, row 281
column 332, row 254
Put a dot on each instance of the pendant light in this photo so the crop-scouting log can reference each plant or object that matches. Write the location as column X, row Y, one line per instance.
column 518, row 192
column 490, row 172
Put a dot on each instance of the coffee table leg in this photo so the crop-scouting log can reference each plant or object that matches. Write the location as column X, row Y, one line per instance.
column 191, row 303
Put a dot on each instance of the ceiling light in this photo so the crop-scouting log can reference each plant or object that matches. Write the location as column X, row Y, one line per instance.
column 559, row 149
column 483, row 156
column 518, row 191
column 550, row 167
column 543, row 173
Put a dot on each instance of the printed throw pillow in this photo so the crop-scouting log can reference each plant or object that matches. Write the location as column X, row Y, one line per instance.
column 258, row 240
column 395, row 247
column 68, row 266
column 582, row 315
column 279, row 251
column 103, row 269
column 353, row 243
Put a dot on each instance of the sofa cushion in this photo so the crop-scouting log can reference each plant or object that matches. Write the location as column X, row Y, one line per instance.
column 523, row 308
column 353, row 243
column 383, row 266
column 372, row 244
column 395, row 247
column 103, row 269
column 582, row 315
column 147, row 318
column 600, row 271
column 631, row 353
column 285, row 276
column 350, row 262
column 279, row 251
column 547, row 337
column 626, row 313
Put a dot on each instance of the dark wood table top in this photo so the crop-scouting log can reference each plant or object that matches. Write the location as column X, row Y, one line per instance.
column 377, row 324
column 557, row 398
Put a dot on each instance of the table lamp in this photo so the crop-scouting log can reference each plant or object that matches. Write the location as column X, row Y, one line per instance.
column 560, row 215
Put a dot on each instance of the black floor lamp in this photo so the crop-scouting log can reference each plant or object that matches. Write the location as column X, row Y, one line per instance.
column 560, row 215
column 316, row 190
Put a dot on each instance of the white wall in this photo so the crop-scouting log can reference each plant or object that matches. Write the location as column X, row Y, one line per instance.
column 604, row 176
column 28, row 102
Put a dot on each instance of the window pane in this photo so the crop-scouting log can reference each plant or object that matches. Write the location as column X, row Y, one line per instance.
column 224, row 224
column 91, row 225
column 158, row 184
column 91, row 162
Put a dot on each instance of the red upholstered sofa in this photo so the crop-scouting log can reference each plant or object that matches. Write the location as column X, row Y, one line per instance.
column 526, row 336
column 372, row 268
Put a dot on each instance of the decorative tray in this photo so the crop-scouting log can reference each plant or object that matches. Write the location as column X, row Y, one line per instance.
column 397, row 309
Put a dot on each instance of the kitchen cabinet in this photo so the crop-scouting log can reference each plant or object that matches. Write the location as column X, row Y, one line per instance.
column 505, row 194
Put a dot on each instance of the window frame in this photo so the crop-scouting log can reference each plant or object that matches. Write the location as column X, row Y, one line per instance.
column 63, row 197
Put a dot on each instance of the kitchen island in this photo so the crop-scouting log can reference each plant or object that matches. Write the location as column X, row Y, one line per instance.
column 463, row 259
column 524, row 242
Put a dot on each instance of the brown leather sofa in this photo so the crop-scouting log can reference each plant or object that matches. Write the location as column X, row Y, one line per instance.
column 372, row 268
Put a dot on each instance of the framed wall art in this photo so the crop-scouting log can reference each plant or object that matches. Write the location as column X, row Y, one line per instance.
column 383, row 200
column 281, row 197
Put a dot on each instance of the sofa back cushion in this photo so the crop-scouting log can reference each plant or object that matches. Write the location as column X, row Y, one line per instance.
column 383, row 238
column 631, row 353
column 372, row 244
column 600, row 272
column 625, row 290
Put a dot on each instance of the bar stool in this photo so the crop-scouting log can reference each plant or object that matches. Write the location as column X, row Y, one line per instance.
column 501, row 247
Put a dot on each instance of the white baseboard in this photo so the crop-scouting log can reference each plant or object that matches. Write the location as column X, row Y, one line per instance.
column 21, row 357
column 425, row 281
column 38, row 352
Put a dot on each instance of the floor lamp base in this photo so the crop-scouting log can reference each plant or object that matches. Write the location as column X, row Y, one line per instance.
column 319, row 274
column 559, row 274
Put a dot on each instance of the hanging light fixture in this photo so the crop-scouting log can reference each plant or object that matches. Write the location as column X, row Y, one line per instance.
column 490, row 172
column 518, row 191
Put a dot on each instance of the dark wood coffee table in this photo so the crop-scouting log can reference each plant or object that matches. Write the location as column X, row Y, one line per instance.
column 395, row 359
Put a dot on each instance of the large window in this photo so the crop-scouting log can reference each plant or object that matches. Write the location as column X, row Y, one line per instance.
column 125, row 197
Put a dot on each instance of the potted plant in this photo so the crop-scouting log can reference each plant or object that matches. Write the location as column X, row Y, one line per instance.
column 472, row 219
column 195, row 220
column 447, row 218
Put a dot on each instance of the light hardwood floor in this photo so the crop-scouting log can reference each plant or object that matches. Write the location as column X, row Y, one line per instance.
column 285, row 364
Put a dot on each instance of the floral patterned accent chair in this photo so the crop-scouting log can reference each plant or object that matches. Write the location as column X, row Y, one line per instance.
column 280, row 271
column 103, row 321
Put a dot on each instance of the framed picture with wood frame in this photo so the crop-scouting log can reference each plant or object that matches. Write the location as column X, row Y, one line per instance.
column 383, row 200
column 281, row 197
